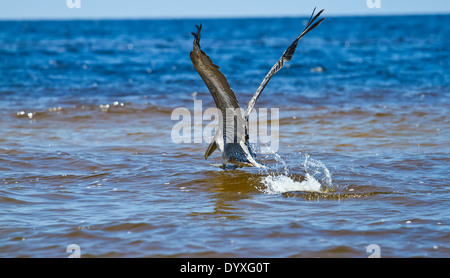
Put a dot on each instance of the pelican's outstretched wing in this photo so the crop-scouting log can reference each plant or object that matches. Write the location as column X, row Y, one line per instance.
column 232, row 122
column 287, row 55
column 216, row 82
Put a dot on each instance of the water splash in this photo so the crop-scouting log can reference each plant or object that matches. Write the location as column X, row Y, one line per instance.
column 279, row 184
column 318, row 171
column 310, row 176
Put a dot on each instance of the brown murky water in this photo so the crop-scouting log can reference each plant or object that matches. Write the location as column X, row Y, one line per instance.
column 86, row 176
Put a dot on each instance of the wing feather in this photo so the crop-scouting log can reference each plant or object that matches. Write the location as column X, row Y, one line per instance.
column 287, row 56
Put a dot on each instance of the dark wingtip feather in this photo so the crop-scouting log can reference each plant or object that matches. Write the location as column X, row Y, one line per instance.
column 309, row 27
column 196, row 46
column 287, row 56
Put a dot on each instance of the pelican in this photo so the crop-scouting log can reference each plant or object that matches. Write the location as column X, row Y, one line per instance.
column 231, row 138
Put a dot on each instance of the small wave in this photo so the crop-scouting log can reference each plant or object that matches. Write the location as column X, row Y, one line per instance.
column 314, row 196
column 82, row 112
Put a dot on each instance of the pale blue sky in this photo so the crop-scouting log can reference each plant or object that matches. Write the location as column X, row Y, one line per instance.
column 57, row 9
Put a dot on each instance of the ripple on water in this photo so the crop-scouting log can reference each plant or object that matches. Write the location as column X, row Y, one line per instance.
column 315, row 196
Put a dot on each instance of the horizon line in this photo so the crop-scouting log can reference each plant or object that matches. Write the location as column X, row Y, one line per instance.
column 214, row 17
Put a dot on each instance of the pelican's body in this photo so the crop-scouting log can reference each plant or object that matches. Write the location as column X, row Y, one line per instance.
column 231, row 137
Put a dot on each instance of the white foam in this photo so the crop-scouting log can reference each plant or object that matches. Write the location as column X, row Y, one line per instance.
column 280, row 183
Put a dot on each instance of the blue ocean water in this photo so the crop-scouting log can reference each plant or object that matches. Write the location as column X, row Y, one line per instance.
column 380, row 57
column 86, row 155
